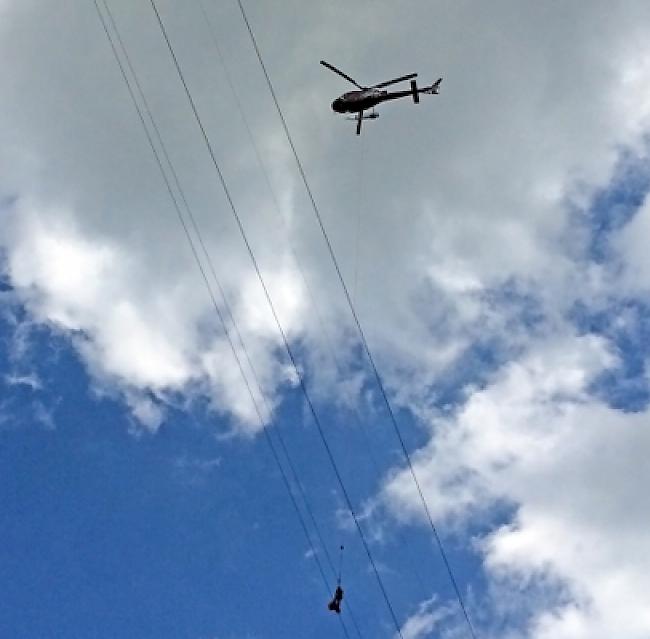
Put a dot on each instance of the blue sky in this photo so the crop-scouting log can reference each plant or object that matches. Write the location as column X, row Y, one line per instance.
column 189, row 532
column 496, row 237
column 183, row 533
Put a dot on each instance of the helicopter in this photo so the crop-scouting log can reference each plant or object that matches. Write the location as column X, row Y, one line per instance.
column 368, row 97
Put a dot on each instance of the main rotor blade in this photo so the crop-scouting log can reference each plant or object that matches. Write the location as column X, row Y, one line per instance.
column 385, row 84
column 347, row 77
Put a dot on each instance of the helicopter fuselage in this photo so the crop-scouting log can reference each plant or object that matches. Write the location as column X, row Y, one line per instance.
column 357, row 101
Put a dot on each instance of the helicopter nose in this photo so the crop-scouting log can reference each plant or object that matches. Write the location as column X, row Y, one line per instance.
column 337, row 105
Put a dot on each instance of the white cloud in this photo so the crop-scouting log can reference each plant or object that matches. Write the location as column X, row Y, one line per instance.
column 44, row 415
column 422, row 623
column 573, row 469
column 32, row 380
column 195, row 471
column 82, row 284
column 460, row 196
column 148, row 413
column 478, row 181
column 133, row 333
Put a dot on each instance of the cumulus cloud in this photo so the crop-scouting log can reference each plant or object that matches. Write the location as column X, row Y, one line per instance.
column 422, row 623
column 466, row 206
column 131, row 335
column 572, row 468
column 31, row 380
column 520, row 125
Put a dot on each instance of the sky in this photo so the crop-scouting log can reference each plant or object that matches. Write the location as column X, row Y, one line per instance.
column 163, row 474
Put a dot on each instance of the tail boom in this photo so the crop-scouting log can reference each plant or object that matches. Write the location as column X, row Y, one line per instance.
column 434, row 88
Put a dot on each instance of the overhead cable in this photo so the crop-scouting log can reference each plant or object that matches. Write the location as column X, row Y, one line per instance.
column 283, row 335
column 198, row 261
column 360, row 330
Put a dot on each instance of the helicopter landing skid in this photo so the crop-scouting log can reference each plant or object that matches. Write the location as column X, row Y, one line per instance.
column 373, row 115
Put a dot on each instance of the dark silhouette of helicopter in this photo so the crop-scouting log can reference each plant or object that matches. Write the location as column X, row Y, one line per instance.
column 368, row 97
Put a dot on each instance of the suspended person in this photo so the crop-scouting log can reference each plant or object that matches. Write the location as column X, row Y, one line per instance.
column 335, row 604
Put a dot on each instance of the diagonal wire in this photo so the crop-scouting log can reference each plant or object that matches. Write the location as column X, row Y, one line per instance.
column 198, row 262
column 283, row 335
column 258, row 156
column 338, row 365
column 312, row 298
column 360, row 330
column 227, row 306
column 301, row 270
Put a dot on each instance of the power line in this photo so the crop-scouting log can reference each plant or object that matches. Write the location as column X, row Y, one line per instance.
column 274, row 197
column 198, row 262
column 360, row 330
column 276, row 207
column 312, row 298
column 275, row 316
column 227, row 305
column 276, row 204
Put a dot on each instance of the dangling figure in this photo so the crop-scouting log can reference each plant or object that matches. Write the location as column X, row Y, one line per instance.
column 335, row 604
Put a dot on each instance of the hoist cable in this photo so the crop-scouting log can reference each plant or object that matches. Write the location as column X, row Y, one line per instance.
column 360, row 330
column 196, row 257
column 312, row 298
column 355, row 297
column 283, row 335
column 277, row 209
